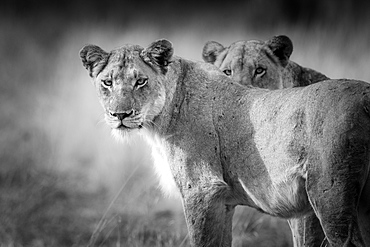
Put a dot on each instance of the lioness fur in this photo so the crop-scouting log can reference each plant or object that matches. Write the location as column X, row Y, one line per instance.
column 285, row 152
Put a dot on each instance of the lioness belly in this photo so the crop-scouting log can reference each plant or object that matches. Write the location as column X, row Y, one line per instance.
column 287, row 199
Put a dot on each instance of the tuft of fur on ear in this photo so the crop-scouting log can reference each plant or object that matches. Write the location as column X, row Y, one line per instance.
column 93, row 59
column 282, row 47
column 158, row 53
column 211, row 50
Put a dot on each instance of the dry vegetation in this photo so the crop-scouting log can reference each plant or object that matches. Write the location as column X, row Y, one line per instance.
column 65, row 182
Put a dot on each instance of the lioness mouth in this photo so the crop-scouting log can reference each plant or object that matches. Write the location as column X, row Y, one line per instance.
column 123, row 126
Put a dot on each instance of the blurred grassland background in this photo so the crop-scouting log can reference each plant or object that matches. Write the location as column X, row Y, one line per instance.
column 63, row 180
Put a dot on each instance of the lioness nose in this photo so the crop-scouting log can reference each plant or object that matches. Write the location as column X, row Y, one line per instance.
column 122, row 115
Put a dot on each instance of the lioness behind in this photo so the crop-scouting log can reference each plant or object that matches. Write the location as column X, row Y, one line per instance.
column 264, row 64
column 286, row 152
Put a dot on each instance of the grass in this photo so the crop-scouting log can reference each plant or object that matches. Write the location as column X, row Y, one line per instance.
column 63, row 179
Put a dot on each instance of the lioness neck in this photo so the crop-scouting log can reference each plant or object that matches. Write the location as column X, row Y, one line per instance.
column 173, row 84
column 191, row 89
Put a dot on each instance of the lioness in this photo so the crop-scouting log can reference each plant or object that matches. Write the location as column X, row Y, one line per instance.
column 284, row 152
column 267, row 65
column 261, row 64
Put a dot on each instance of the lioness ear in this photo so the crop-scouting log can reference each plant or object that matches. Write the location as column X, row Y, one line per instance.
column 159, row 53
column 93, row 59
column 211, row 50
column 282, row 47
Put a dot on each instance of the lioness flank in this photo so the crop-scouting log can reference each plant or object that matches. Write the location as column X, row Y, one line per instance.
column 284, row 152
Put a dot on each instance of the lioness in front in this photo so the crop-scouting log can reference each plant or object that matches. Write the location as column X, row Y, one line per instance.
column 284, row 152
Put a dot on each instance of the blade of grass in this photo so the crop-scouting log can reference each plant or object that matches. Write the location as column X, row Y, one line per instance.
column 184, row 240
column 99, row 226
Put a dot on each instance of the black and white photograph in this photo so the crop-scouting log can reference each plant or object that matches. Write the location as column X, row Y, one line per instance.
column 185, row 123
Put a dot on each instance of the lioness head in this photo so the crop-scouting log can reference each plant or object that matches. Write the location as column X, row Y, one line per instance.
column 128, row 82
column 253, row 62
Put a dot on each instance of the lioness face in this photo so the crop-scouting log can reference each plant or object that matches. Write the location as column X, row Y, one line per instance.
column 129, row 83
column 253, row 62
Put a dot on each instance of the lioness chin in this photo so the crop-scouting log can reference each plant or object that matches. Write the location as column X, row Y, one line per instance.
column 286, row 152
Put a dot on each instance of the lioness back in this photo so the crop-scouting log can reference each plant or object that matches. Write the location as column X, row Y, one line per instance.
column 261, row 64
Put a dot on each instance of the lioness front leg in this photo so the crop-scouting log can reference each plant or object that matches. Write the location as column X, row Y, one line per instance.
column 307, row 231
column 209, row 220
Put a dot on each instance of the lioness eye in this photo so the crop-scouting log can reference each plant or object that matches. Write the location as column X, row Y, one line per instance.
column 227, row 72
column 107, row 83
column 259, row 71
column 141, row 82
